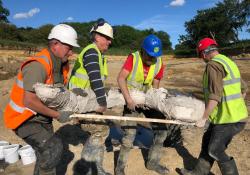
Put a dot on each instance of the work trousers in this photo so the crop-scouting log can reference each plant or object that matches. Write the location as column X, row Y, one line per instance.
column 129, row 127
column 48, row 147
column 216, row 140
column 98, row 132
column 94, row 148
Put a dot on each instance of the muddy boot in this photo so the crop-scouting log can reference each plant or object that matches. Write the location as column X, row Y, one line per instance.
column 93, row 152
column 155, row 166
column 36, row 169
column 153, row 162
column 47, row 172
column 202, row 168
column 228, row 168
column 2, row 166
column 99, row 161
column 122, row 160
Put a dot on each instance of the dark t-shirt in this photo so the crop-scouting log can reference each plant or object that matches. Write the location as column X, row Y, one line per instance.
column 34, row 72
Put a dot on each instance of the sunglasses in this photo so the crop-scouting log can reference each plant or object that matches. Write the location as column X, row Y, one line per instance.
column 99, row 22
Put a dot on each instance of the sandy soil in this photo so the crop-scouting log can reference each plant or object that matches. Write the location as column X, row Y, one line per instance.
column 182, row 74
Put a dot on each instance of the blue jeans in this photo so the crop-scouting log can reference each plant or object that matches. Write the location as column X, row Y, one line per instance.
column 216, row 140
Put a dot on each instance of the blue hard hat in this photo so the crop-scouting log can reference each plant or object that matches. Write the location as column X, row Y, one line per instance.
column 152, row 45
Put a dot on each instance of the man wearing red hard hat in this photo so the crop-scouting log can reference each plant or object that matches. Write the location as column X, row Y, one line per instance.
column 224, row 93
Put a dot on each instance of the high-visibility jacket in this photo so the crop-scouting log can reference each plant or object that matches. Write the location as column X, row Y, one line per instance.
column 136, row 80
column 15, row 112
column 79, row 77
column 232, row 107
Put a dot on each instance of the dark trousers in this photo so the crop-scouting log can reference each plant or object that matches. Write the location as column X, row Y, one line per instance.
column 161, row 131
column 130, row 128
column 216, row 140
column 48, row 147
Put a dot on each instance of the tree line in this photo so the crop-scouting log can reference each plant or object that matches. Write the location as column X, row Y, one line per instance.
column 126, row 37
column 223, row 22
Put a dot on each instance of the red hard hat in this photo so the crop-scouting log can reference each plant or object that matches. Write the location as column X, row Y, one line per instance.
column 205, row 43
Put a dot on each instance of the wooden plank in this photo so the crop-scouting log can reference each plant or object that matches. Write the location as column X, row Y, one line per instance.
column 124, row 118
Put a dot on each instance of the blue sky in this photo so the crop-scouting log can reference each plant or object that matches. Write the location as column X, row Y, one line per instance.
column 166, row 15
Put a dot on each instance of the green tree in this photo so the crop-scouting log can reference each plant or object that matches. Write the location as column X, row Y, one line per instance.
column 126, row 38
column 8, row 32
column 237, row 13
column 3, row 13
column 222, row 22
column 166, row 44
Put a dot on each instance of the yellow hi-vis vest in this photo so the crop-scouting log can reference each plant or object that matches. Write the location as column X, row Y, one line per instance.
column 232, row 107
column 79, row 77
column 135, row 79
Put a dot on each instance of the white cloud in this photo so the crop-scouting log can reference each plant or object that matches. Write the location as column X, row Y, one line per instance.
column 70, row 18
column 177, row 3
column 26, row 15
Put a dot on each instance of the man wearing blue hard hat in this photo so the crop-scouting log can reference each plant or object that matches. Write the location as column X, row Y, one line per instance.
column 142, row 70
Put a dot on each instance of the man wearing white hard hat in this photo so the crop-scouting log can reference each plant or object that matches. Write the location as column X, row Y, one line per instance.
column 26, row 115
column 90, row 71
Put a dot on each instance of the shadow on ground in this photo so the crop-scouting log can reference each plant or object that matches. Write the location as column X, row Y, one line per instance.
column 70, row 134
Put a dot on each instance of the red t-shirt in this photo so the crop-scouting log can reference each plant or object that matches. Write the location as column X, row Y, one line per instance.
column 128, row 65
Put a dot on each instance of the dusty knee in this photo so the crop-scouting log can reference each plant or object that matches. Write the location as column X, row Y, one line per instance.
column 128, row 138
column 159, row 138
column 214, row 152
column 50, row 153
column 127, row 143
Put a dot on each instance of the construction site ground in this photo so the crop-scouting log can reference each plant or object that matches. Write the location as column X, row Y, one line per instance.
column 182, row 74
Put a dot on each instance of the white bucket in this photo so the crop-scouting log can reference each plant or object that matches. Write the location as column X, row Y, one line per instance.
column 2, row 144
column 10, row 153
column 27, row 154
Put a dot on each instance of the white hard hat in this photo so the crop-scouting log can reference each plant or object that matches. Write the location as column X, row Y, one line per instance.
column 103, row 27
column 65, row 34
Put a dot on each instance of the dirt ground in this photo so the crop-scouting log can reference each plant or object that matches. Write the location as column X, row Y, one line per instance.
column 182, row 74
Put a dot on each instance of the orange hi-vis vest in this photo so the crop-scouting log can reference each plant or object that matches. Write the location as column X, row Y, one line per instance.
column 15, row 112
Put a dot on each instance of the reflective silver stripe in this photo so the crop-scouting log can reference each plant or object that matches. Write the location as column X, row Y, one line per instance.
column 135, row 84
column 19, row 83
column 72, row 86
column 91, row 63
column 86, row 77
column 16, row 107
column 81, row 76
column 157, row 66
column 233, row 81
column 43, row 57
column 228, row 67
column 136, row 66
column 231, row 97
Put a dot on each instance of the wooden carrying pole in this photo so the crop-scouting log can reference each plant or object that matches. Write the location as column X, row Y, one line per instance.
column 124, row 118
